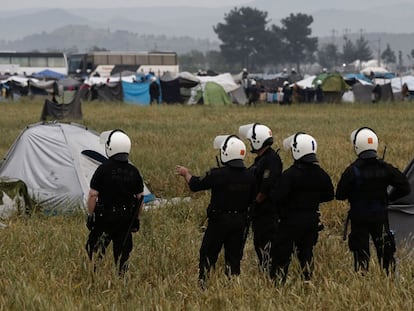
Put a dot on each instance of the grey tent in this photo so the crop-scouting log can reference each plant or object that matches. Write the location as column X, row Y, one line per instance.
column 401, row 213
column 56, row 161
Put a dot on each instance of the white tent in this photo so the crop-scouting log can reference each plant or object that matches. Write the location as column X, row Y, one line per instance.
column 225, row 80
column 50, row 159
column 306, row 83
column 398, row 82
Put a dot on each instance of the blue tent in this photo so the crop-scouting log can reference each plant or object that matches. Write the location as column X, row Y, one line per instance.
column 351, row 78
column 48, row 74
column 136, row 92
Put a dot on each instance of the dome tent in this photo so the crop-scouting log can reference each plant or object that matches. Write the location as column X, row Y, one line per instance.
column 333, row 86
column 56, row 162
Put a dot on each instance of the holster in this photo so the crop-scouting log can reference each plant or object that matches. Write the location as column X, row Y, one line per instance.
column 389, row 243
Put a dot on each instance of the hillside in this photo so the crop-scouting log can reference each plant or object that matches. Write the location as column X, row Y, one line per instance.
column 183, row 29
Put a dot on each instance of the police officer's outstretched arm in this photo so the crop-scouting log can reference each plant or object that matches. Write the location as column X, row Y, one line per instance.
column 183, row 171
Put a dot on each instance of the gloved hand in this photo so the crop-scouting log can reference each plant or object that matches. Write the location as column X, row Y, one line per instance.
column 135, row 225
column 90, row 221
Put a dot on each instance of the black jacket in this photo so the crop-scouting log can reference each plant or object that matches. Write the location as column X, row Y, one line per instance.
column 267, row 170
column 232, row 189
column 365, row 184
column 301, row 189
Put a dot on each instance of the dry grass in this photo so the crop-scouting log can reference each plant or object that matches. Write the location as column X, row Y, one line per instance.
column 43, row 264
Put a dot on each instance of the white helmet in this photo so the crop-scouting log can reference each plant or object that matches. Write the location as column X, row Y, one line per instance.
column 259, row 135
column 232, row 150
column 117, row 142
column 301, row 144
column 364, row 139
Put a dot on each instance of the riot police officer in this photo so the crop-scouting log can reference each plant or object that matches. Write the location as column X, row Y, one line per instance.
column 267, row 168
column 364, row 184
column 302, row 187
column 115, row 201
column 232, row 190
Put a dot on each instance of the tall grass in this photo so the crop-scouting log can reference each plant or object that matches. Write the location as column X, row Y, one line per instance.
column 43, row 264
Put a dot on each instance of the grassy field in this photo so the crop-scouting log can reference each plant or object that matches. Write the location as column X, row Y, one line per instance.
column 43, row 264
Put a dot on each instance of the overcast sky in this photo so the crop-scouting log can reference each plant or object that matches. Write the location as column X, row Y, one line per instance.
column 283, row 5
column 25, row 4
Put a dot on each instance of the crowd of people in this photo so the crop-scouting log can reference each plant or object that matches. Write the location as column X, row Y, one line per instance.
column 284, row 91
column 282, row 207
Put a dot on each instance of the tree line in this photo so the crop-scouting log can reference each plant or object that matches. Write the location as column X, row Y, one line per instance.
column 248, row 40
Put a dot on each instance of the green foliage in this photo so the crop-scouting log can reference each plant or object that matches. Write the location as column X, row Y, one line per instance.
column 358, row 50
column 362, row 50
column 192, row 61
column 328, row 56
column 348, row 51
column 296, row 32
column 44, row 265
column 388, row 55
column 243, row 35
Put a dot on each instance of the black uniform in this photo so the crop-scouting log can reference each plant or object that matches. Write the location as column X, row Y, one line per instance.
column 254, row 94
column 117, row 182
column 154, row 90
column 267, row 169
column 319, row 94
column 364, row 183
column 287, row 95
column 302, row 188
column 232, row 190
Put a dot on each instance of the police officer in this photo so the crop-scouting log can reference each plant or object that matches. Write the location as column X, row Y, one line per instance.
column 154, row 91
column 267, row 168
column 115, row 201
column 302, row 187
column 232, row 190
column 364, row 184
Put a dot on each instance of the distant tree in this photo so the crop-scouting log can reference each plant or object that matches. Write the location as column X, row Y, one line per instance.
column 192, row 61
column 71, row 50
column 97, row 49
column 412, row 53
column 348, row 51
column 400, row 61
column 362, row 50
column 275, row 52
column 244, row 36
column 216, row 62
column 300, row 47
column 328, row 55
column 388, row 55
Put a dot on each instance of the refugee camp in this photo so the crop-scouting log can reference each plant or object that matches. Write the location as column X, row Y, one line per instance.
column 270, row 169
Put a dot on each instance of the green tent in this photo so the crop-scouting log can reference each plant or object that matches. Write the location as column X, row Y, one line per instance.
column 333, row 86
column 215, row 95
column 14, row 198
column 331, row 82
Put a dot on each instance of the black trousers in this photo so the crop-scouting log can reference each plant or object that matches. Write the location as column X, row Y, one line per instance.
column 226, row 230
column 265, row 229
column 361, row 230
column 102, row 235
column 301, row 237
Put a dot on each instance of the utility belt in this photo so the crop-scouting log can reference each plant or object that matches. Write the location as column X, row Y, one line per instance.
column 216, row 212
column 102, row 210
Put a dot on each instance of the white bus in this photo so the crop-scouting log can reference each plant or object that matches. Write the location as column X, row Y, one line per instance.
column 103, row 63
column 28, row 63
